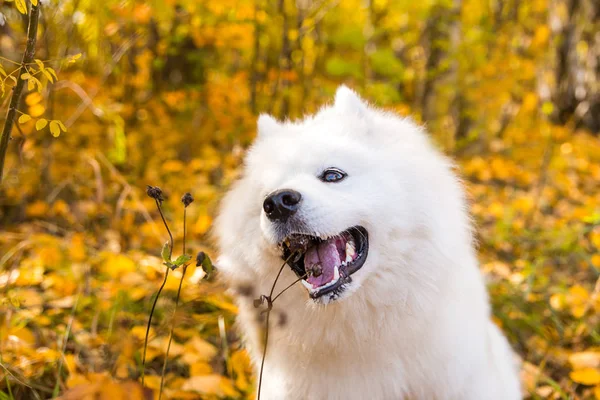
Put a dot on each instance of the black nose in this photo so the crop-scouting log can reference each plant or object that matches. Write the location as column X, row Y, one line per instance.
column 282, row 204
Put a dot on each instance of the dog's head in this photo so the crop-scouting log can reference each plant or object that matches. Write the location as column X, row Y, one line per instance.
column 339, row 195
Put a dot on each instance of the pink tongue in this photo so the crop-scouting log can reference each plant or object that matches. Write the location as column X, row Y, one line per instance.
column 327, row 254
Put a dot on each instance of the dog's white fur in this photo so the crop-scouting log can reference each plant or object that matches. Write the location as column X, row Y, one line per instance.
column 415, row 322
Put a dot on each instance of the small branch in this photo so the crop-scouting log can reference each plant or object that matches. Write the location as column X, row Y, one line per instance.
column 158, row 201
column 268, row 311
column 150, row 322
column 164, row 369
column 18, row 89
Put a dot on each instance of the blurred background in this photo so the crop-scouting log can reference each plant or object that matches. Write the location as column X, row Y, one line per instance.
column 124, row 94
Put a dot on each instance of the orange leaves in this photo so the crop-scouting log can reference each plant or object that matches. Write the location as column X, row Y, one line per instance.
column 585, row 359
column 586, row 376
column 577, row 300
column 101, row 386
column 210, row 385
column 117, row 265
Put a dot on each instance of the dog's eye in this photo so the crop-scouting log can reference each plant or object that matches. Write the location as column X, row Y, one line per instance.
column 332, row 175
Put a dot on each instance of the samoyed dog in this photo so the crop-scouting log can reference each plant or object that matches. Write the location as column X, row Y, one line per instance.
column 391, row 304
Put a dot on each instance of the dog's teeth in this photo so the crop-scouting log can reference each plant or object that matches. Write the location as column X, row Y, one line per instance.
column 307, row 285
column 336, row 275
column 350, row 252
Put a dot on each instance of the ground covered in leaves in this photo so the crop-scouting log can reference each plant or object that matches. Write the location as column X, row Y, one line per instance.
column 75, row 303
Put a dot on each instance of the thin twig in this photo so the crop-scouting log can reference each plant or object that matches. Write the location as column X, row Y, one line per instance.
column 18, row 88
column 159, row 290
column 268, row 311
column 164, row 369
column 150, row 322
column 289, row 286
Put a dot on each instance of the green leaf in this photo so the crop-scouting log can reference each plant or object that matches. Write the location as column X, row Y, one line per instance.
column 21, row 6
column 54, row 129
column 41, row 124
column 165, row 252
column 24, row 118
column 182, row 259
column 207, row 266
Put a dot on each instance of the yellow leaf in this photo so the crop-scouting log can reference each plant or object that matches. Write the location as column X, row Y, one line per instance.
column 596, row 260
column 71, row 363
column 48, row 75
column 51, row 70
column 41, row 124
column 54, row 129
column 240, row 363
column 33, row 98
column 202, row 224
column 200, row 368
column 61, row 125
column 25, row 76
column 200, row 347
column 586, row 376
column 21, row 336
column 585, row 359
column 595, row 238
column 76, row 380
column 117, row 265
column 210, row 385
column 24, row 118
column 30, row 84
column 597, row 392
column 37, row 110
column 34, row 2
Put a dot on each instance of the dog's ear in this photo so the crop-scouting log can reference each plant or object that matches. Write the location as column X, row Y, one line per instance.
column 266, row 125
column 347, row 101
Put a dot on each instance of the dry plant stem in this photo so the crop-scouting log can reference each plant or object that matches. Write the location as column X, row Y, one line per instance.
column 164, row 369
column 157, row 293
column 150, row 322
column 268, row 311
column 289, row 286
column 18, row 89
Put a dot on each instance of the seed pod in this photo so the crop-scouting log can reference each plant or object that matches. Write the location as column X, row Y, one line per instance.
column 315, row 270
column 187, row 199
column 155, row 192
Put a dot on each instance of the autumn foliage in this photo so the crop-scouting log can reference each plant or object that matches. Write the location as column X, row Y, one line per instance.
column 124, row 94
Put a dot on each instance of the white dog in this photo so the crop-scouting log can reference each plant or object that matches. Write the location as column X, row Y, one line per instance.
column 392, row 304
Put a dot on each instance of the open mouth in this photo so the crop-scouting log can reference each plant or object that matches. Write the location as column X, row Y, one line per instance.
column 326, row 264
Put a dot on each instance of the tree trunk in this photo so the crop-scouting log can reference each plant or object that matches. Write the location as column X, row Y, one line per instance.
column 576, row 95
column 34, row 14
